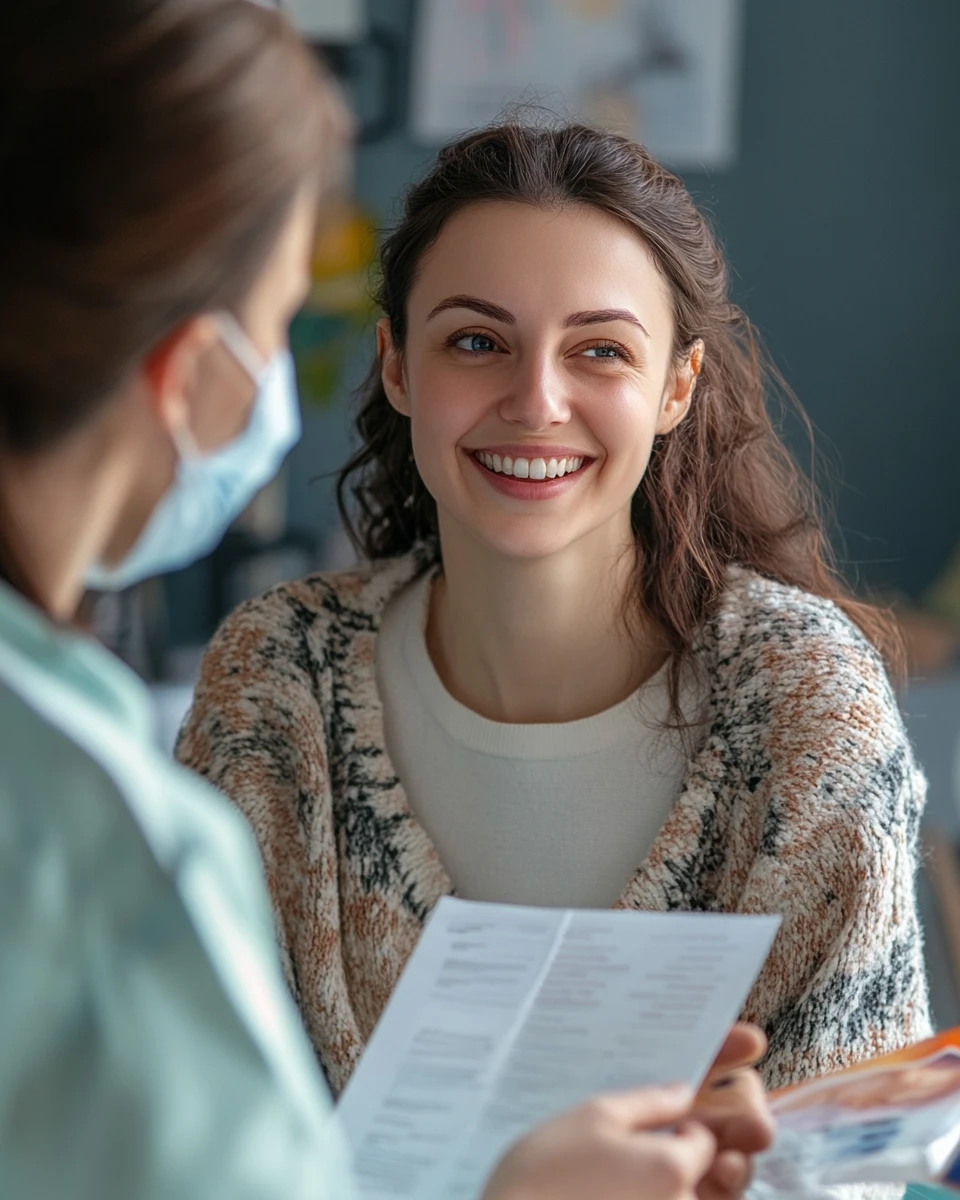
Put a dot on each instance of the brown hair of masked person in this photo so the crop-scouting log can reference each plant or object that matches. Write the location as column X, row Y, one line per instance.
column 150, row 153
column 720, row 489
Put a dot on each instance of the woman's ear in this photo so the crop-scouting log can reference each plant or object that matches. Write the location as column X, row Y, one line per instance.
column 391, row 368
column 171, row 369
column 680, row 387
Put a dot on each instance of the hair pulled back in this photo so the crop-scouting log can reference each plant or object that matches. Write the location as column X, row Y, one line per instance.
column 150, row 152
column 721, row 489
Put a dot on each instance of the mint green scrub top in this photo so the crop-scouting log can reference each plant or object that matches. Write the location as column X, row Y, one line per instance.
column 148, row 1045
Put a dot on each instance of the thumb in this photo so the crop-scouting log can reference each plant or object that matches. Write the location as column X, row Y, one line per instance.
column 646, row 1108
column 744, row 1046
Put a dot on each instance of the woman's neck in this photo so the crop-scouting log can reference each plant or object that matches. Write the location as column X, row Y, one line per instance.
column 538, row 641
column 57, row 511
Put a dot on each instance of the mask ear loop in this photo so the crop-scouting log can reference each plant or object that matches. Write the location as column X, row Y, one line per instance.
column 185, row 444
column 237, row 341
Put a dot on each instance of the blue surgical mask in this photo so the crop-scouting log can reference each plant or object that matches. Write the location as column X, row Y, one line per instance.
column 211, row 490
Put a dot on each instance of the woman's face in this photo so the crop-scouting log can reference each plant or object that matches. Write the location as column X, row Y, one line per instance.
column 537, row 370
column 193, row 379
column 223, row 395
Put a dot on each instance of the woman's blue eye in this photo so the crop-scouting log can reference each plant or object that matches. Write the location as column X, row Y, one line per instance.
column 603, row 351
column 477, row 342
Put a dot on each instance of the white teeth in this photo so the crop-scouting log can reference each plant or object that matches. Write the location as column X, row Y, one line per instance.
column 529, row 468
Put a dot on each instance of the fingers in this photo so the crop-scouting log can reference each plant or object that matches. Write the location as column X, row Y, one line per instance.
column 745, row 1045
column 750, row 1134
column 729, row 1177
column 684, row 1157
column 738, row 1114
column 645, row 1108
column 615, row 1147
column 732, row 1171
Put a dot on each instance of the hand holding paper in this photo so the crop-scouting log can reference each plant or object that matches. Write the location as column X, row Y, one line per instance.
column 507, row 1016
column 732, row 1104
column 607, row 1149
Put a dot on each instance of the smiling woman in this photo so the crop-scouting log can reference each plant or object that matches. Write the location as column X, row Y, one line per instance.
column 563, row 372
column 598, row 656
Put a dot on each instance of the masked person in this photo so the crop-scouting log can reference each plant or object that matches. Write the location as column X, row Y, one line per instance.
column 162, row 163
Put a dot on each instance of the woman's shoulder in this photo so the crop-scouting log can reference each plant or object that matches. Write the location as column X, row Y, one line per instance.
column 789, row 635
column 320, row 605
column 797, row 686
column 271, row 661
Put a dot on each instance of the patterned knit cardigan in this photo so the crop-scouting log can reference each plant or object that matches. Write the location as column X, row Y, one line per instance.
column 804, row 800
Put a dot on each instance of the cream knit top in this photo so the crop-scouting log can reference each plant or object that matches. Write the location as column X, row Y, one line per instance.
column 557, row 815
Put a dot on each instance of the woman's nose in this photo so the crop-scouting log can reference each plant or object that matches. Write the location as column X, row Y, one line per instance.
column 537, row 397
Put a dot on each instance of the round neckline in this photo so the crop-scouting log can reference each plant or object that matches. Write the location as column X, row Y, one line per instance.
column 646, row 708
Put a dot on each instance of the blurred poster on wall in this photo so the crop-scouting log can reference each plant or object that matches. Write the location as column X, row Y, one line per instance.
column 664, row 71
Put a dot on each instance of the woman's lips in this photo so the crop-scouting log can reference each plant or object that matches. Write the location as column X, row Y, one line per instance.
column 539, row 478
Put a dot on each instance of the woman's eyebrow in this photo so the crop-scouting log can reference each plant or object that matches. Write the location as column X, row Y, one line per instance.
column 485, row 307
column 599, row 316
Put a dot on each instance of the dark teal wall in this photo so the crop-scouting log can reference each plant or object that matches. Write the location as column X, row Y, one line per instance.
column 840, row 223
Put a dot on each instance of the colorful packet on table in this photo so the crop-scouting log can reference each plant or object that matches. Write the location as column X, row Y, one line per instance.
column 891, row 1120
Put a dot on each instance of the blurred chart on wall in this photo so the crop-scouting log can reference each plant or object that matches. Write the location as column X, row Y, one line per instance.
column 663, row 71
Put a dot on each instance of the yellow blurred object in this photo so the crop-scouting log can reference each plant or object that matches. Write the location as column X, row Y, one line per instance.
column 339, row 308
column 943, row 599
column 342, row 257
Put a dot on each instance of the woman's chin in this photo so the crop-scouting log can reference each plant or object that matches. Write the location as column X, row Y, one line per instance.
column 519, row 541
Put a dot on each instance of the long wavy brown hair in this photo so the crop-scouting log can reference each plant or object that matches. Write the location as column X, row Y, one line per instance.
column 721, row 489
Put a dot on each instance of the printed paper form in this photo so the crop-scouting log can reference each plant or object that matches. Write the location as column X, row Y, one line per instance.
column 508, row 1015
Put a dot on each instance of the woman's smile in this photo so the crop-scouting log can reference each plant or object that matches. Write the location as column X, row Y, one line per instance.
column 534, row 473
column 558, row 385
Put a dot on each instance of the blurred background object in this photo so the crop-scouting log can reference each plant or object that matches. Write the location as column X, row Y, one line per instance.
column 821, row 139
column 665, row 72
column 328, row 21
